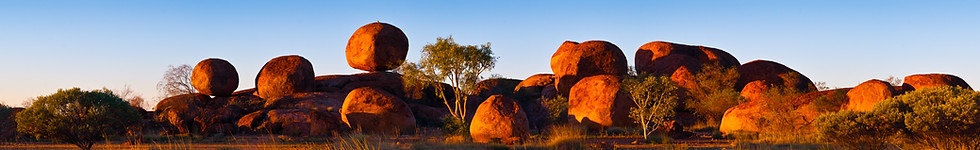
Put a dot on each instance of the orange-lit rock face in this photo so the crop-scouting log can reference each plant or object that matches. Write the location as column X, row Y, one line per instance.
column 375, row 111
column 663, row 58
column 597, row 102
column 920, row 81
column 501, row 118
column 864, row 96
column 283, row 76
column 773, row 73
column 377, row 47
column 574, row 61
column 215, row 77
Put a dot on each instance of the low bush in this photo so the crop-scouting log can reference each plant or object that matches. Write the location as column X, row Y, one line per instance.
column 937, row 118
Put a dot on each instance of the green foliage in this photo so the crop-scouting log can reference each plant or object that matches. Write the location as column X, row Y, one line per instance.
column 854, row 130
column 831, row 102
column 5, row 123
column 77, row 117
column 714, row 92
column 938, row 118
column 558, row 108
column 455, row 126
column 446, row 60
column 654, row 98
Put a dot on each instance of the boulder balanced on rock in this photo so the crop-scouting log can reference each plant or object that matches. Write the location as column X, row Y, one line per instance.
column 283, row 76
column 574, row 61
column 215, row 77
column 500, row 118
column 377, row 47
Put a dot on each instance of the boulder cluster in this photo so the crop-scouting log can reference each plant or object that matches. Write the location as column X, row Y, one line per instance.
column 289, row 99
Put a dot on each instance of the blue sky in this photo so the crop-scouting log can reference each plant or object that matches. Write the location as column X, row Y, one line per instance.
column 48, row 45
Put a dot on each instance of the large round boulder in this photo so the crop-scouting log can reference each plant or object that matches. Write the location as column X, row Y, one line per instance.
column 501, row 118
column 597, row 102
column 864, row 96
column 773, row 73
column 574, row 61
column 283, row 76
column 375, row 111
column 215, row 77
column 743, row 117
column 662, row 58
column 377, row 47
column 919, row 81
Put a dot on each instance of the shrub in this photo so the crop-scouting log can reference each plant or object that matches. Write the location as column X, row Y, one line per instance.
column 714, row 92
column 77, row 117
column 853, row 130
column 455, row 126
column 939, row 118
column 558, row 109
column 654, row 98
column 831, row 102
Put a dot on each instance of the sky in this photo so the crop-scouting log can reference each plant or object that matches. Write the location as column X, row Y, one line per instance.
column 50, row 45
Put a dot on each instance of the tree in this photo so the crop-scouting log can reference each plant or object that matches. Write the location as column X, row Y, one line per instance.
column 176, row 81
column 446, row 60
column 894, row 81
column 6, row 122
column 654, row 98
column 127, row 93
column 714, row 92
column 77, row 117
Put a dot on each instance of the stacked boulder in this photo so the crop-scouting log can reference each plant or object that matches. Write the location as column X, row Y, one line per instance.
column 756, row 78
column 681, row 63
column 582, row 70
column 374, row 103
column 533, row 94
column 574, row 61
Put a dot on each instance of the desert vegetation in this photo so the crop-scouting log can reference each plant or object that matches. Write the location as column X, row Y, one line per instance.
column 677, row 96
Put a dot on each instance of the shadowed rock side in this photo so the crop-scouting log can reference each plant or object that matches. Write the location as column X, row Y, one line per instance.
column 662, row 58
column 180, row 111
column 811, row 105
column 498, row 86
column 387, row 81
column 532, row 86
column 377, row 47
column 597, row 102
column 773, row 73
column 864, row 96
column 284, row 75
column 574, row 61
column 500, row 118
column 919, row 81
column 215, row 77
column 374, row 111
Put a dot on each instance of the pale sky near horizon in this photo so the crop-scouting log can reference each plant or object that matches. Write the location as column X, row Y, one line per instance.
column 49, row 45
